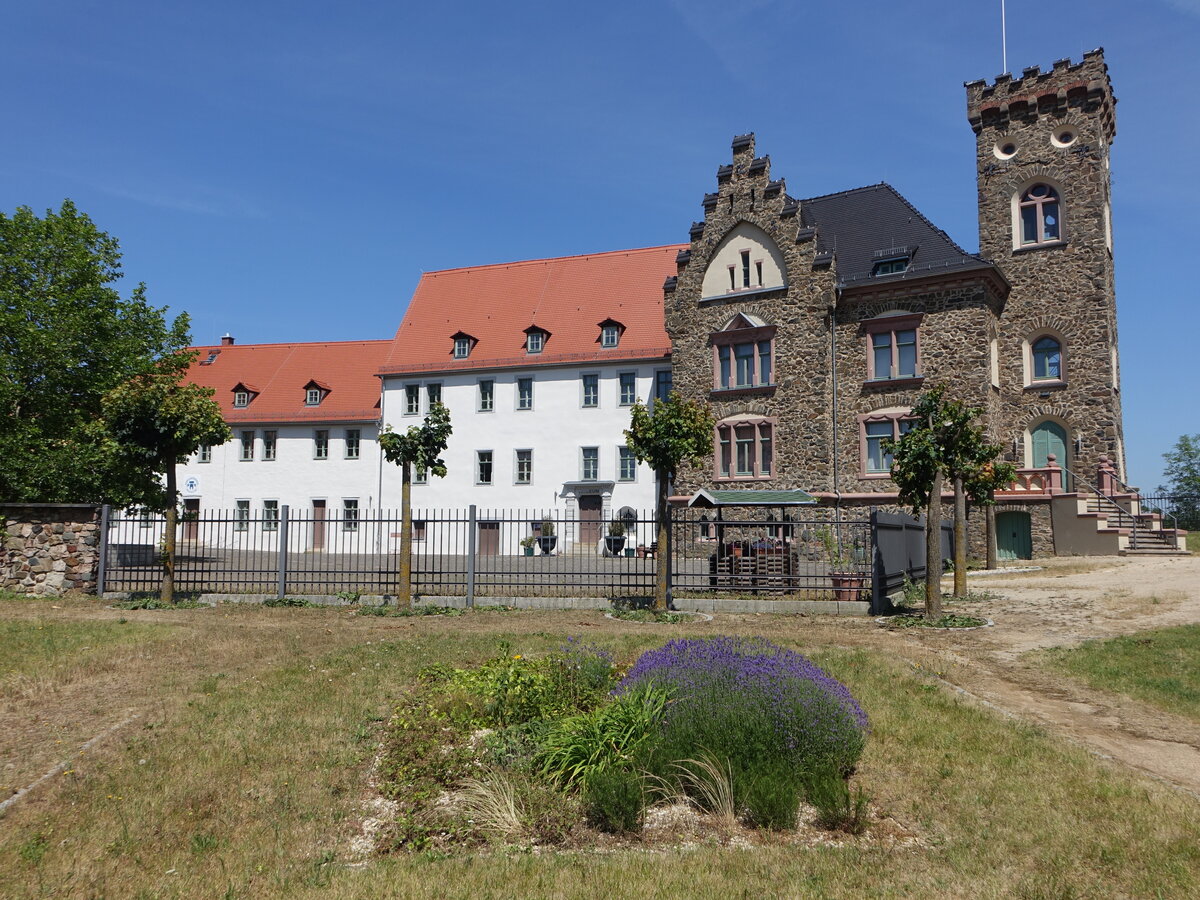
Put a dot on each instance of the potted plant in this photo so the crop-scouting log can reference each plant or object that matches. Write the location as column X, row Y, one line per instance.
column 847, row 581
column 614, row 543
column 527, row 545
column 547, row 540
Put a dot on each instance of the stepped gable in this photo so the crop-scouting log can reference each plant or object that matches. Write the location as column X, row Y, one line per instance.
column 566, row 297
column 279, row 374
column 860, row 226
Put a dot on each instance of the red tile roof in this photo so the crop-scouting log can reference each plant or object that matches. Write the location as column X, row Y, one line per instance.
column 568, row 297
column 281, row 372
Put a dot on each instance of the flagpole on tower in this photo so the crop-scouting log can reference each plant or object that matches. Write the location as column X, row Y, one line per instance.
column 1003, row 37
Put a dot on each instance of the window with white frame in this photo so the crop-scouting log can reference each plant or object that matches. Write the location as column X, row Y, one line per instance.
column 412, row 399
column 420, row 476
column 876, row 428
column 591, row 390
column 462, row 347
column 1038, row 208
column 241, row 515
column 524, row 393
column 626, row 464
column 1045, row 356
column 353, row 442
column 662, row 384
column 321, row 443
column 745, row 448
column 418, row 529
column 312, row 397
column 483, row 466
column 247, row 442
column 204, row 454
column 893, row 349
column 270, row 515
column 610, row 335
column 350, row 514
column 487, row 395
column 433, row 393
column 535, row 341
column 589, row 465
column 523, row 473
column 627, row 388
column 270, row 440
column 241, row 398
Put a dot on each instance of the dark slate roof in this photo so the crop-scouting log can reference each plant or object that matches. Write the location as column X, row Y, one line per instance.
column 861, row 225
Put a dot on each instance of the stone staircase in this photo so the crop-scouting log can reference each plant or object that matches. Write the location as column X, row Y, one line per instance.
column 1138, row 533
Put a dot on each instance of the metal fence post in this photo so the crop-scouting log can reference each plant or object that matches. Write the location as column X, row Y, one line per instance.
column 283, row 550
column 471, row 529
column 102, row 550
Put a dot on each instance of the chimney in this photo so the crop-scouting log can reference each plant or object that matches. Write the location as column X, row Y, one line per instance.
column 227, row 340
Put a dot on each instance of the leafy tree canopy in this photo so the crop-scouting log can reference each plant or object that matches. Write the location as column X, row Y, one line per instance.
column 421, row 446
column 67, row 337
column 676, row 430
column 1183, row 480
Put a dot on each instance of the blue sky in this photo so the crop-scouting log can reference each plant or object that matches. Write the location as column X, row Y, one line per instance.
column 286, row 171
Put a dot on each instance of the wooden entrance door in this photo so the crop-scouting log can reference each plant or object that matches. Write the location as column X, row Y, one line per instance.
column 318, row 525
column 589, row 518
column 1014, row 535
column 489, row 539
column 191, row 512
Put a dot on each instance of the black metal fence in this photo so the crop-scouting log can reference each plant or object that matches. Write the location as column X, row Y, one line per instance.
column 481, row 553
column 1178, row 510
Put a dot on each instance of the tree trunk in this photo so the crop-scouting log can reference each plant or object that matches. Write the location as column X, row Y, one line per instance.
column 960, row 538
column 168, row 580
column 662, row 558
column 404, row 591
column 933, row 551
column 989, row 513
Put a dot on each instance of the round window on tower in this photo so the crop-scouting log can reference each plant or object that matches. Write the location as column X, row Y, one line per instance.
column 1005, row 149
column 1064, row 136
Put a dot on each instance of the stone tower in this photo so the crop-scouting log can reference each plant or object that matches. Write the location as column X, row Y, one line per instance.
column 1042, row 152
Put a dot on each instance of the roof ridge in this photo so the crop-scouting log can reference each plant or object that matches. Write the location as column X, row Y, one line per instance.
column 925, row 219
column 289, row 344
column 550, row 259
column 857, row 190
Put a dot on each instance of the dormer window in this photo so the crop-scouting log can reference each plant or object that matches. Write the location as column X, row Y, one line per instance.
column 890, row 266
column 463, row 343
column 242, row 395
column 535, row 340
column 314, row 393
column 610, row 333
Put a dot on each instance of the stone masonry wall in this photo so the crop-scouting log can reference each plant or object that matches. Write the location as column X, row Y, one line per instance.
column 49, row 548
column 1064, row 288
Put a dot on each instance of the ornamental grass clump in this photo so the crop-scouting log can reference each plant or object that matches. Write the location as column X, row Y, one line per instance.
column 770, row 712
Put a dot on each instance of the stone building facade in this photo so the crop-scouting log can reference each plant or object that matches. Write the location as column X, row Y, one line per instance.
column 812, row 326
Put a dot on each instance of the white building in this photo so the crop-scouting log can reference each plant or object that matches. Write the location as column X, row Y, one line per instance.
column 305, row 422
column 539, row 364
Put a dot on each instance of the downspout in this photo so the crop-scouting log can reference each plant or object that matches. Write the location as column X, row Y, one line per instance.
column 837, row 489
column 379, row 463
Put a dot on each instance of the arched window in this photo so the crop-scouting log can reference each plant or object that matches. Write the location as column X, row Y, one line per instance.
column 1046, row 358
column 1039, row 212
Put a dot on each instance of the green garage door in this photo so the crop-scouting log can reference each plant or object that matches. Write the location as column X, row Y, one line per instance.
column 1014, row 535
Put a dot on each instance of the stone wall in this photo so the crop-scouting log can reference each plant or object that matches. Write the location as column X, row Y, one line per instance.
column 49, row 548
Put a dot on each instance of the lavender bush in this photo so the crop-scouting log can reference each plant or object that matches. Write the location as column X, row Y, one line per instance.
column 767, row 710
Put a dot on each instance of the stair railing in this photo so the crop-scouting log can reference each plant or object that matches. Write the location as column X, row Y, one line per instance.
column 1121, row 511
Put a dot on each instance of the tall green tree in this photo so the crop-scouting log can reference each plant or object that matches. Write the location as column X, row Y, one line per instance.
column 421, row 446
column 674, row 431
column 944, row 443
column 1183, row 480
column 151, row 423
column 67, row 337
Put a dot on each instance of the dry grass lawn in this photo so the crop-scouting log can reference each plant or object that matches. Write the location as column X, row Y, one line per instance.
column 245, row 772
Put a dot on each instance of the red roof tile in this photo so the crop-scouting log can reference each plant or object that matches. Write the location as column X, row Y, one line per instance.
column 568, row 297
column 281, row 372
